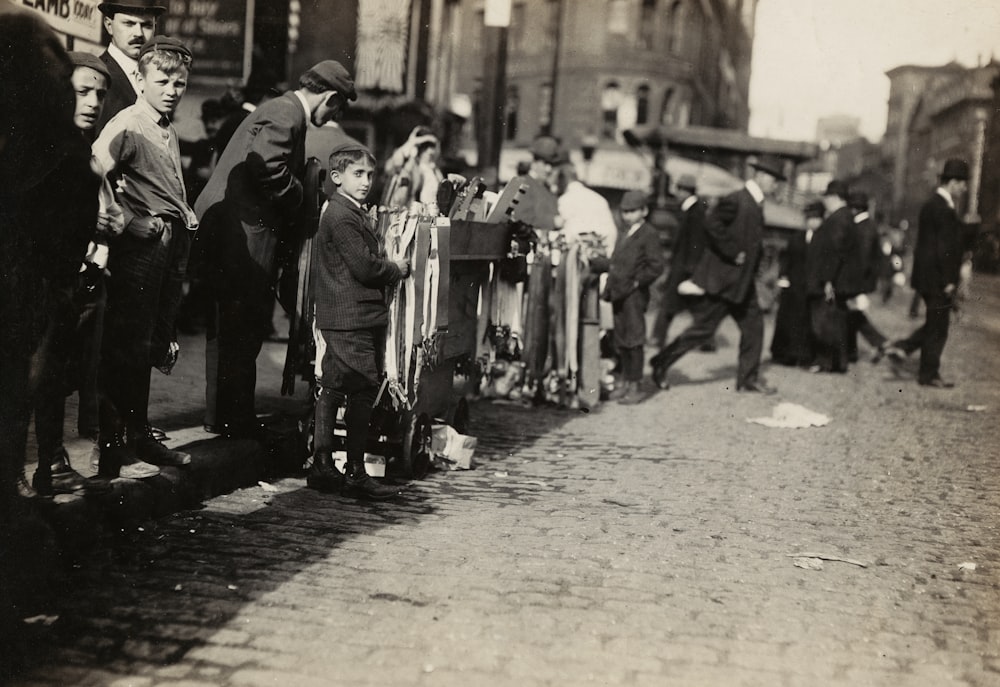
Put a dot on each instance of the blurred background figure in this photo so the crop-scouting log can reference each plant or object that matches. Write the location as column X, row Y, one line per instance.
column 792, row 343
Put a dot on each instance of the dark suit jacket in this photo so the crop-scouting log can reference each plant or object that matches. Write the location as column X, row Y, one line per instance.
column 869, row 253
column 735, row 225
column 830, row 250
column 635, row 264
column 937, row 257
column 120, row 92
column 688, row 245
column 350, row 269
column 257, row 179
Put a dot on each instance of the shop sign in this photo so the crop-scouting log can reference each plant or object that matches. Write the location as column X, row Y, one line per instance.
column 77, row 18
column 214, row 30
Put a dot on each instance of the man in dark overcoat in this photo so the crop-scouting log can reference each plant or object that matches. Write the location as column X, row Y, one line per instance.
column 942, row 239
column 864, row 269
column 246, row 208
column 832, row 279
column 130, row 23
column 726, row 273
column 685, row 253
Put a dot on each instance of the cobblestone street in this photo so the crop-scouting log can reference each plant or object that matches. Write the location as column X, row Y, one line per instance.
column 642, row 545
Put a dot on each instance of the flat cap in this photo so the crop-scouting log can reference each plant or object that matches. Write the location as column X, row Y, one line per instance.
column 955, row 169
column 85, row 59
column 634, row 200
column 687, row 181
column 349, row 145
column 334, row 76
column 770, row 165
column 548, row 149
column 836, row 188
column 167, row 44
column 108, row 9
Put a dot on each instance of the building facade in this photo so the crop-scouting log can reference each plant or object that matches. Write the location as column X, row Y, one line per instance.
column 581, row 69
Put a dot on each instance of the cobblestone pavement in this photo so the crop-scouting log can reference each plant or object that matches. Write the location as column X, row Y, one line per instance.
column 644, row 545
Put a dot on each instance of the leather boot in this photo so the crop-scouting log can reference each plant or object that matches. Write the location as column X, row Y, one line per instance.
column 118, row 460
column 632, row 394
column 324, row 475
column 357, row 484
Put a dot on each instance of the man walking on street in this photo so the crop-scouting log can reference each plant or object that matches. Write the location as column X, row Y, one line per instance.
column 937, row 263
column 130, row 23
column 246, row 209
column 726, row 273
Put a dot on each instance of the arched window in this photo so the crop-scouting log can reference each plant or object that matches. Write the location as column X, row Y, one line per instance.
column 674, row 28
column 647, row 25
column 611, row 100
column 510, row 113
column 666, row 111
column 642, row 105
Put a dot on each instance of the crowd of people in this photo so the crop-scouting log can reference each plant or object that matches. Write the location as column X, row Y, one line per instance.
column 101, row 222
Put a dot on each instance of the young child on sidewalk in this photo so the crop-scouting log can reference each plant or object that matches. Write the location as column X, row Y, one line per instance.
column 351, row 274
column 635, row 265
column 140, row 151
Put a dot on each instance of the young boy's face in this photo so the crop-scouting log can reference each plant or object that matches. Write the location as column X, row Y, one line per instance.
column 355, row 181
column 161, row 90
column 91, row 86
column 633, row 216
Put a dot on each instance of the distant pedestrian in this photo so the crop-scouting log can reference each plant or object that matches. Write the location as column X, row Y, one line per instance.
column 139, row 149
column 792, row 343
column 942, row 239
column 726, row 273
column 830, row 283
column 865, row 263
column 248, row 207
column 635, row 265
column 351, row 274
column 130, row 23
column 685, row 252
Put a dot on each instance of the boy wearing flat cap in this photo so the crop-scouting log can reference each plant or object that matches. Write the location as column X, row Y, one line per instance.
column 248, row 206
column 351, row 274
column 140, row 151
column 636, row 263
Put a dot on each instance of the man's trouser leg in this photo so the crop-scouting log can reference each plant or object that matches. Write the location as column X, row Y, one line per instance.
column 938, row 314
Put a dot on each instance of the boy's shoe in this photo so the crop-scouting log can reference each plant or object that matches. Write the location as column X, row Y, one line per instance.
column 150, row 449
column 324, row 476
column 359, row 485
column 138, row 470
column 118, row 460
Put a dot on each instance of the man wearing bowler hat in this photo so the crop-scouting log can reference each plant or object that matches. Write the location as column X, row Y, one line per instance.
column 726, row 274
column 130, row 23
column 246, row 209
column 937, row 262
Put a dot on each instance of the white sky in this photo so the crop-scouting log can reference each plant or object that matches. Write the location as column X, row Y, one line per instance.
column 814, row 58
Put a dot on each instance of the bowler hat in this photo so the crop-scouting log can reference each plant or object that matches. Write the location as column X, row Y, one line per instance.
column 167, row 44
column 86, row 59
column 333, row 76
column 634, row 200
column 770, row 165
column 108, row 9
column 858, row 200
column 548, row 149
column 836, row 188
column 688, row 182
column 955, row 169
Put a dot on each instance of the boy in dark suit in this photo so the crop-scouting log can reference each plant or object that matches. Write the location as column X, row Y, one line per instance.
column 351, row 274
column 635, row 264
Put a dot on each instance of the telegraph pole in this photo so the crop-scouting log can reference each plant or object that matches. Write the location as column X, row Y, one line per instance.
column 493, row 97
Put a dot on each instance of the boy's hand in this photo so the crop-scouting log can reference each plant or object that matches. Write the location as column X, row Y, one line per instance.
column 404, row 268
column 147, row 227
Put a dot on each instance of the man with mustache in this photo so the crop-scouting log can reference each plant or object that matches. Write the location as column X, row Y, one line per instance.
column 130, row 23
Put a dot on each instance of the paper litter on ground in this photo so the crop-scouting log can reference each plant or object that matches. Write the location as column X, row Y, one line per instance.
column 793, row 416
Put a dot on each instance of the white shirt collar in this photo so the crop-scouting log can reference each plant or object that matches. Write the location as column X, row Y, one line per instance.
column 860, row 217
column 688, row 202
column 754, row 190
column 943, row 192
column 634, row 228
column 305, row 105
column 356, row 203
column 128, row 65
